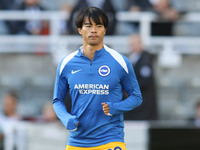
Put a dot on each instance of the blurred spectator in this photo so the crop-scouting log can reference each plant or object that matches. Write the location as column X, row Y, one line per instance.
column 166, row 10
column 106, row 5
column 48, row 114
column 31, row 27
column 45, row 29
column 7, row 4
column 140, row 5
column 62, row 24
column 9, row 119
column 142, row 62
column 10, row 106
column 167, row 14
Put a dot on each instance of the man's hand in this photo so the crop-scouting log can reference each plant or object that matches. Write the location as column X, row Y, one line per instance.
column 105, row 108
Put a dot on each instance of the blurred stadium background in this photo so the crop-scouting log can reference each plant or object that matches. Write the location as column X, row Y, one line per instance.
column 28, row 65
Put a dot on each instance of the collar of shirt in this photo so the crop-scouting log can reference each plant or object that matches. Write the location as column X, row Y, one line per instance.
column 97, row 53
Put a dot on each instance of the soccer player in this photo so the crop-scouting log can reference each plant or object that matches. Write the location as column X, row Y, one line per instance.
column 95, row 76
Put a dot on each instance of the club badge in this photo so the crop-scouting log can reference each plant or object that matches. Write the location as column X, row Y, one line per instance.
column 104, row 70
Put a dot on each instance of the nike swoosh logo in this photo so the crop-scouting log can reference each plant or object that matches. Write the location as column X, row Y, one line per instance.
column 75, row 71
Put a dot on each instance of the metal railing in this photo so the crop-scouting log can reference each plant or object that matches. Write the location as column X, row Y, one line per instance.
column 54, row 41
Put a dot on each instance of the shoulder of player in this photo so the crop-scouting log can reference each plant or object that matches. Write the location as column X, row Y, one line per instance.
column 66, row 60
column 118, row 57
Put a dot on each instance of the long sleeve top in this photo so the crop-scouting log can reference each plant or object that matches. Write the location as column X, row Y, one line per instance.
column 90, row 83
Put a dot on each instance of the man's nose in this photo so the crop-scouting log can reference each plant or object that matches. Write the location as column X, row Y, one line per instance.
column 94, row 29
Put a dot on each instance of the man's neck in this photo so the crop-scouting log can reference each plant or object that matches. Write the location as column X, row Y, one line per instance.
column 89, row 50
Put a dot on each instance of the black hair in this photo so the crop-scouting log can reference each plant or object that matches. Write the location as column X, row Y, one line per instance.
column 98, row 15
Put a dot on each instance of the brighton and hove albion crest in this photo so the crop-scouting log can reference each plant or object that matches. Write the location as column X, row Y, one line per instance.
column 104, row 70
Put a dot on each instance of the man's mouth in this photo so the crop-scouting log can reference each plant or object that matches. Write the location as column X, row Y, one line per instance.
column 93, row 36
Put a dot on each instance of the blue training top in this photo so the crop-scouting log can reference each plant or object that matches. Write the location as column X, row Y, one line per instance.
column 90, row 83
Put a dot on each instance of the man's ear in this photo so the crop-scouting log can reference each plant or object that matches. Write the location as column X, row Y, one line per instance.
column 80, row 31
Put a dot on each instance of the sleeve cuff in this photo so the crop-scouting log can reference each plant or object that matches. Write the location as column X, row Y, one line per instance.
column 109, row 114
column 71, row 126
column 73, row 130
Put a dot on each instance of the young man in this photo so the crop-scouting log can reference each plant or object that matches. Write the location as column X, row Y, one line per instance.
column 95, row 76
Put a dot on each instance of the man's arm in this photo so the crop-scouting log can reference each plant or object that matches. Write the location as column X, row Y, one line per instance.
column 60, row 91
column 131, row 86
